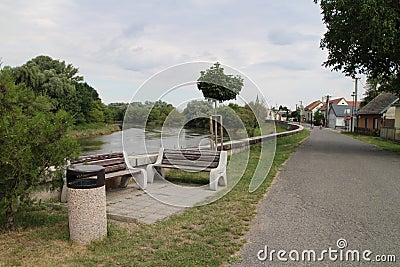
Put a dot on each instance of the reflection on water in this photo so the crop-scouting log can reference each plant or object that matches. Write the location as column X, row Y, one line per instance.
column 138, row 141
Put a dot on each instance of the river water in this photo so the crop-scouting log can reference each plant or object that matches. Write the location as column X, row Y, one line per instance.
column 138, row 141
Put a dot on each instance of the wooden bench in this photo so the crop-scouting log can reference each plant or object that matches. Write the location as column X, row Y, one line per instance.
column 115, row 167
column 192, row 160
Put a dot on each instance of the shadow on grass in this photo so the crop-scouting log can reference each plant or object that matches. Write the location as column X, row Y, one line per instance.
column 48, row 224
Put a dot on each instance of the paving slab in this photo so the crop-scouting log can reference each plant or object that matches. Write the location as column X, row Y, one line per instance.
column 160, row 200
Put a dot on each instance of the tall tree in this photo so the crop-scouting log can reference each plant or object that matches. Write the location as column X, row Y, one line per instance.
column 218, row 86
column 362, row 37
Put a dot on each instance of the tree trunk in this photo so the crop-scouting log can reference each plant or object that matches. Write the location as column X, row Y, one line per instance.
column 10, row 217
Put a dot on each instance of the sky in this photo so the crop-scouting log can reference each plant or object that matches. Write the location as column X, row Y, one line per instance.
column 120, row 46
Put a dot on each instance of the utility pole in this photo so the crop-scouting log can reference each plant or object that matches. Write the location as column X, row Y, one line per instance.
column 327, row 111
column 352, row 112
column 301, row 112
column 355, row 99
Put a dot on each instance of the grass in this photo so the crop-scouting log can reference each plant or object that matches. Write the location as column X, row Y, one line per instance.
column 386, row 145
column 209, row 235
column 93, row 129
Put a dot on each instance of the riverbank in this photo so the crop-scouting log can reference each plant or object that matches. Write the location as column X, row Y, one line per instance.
column 93, row 129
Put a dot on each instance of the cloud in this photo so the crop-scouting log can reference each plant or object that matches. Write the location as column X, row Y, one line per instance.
column 118, row 45
column 285, row 37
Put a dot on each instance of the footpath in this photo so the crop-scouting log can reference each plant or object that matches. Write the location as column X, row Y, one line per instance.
column 335, row 199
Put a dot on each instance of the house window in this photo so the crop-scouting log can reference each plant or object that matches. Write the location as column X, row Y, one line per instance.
column 366, row 122
column 375, row 123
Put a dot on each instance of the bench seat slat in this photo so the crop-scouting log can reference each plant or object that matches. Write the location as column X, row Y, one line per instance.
column 97, row 157
column 195, row 163
column 192, row 152
column 208, row 158
column 107, row 162
column 183, row 167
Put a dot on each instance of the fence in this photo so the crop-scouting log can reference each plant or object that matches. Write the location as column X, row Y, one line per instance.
column 390, row 133
column 366, row 131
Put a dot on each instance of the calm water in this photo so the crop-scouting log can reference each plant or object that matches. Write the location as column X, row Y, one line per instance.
column 137, row 141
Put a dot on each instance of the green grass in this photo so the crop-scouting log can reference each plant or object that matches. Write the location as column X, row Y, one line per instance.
column 209, row 235
column 93, row 129
column 386, row 145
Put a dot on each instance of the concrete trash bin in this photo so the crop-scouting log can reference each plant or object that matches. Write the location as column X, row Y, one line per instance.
column 87, row 218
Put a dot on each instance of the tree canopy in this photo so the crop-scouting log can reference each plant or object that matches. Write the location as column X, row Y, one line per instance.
column 217, row 85
column 362, row 36
column 65, row 89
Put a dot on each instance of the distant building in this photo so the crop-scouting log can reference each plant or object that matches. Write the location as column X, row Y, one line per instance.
column 311, row 109
column 337, row 116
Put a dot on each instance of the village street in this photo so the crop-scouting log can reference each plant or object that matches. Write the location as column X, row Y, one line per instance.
column 334, row 193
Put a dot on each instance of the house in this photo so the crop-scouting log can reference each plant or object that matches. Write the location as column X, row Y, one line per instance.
column 311, row 109
column 341, row 101
column 379, row 112
column 337, row 116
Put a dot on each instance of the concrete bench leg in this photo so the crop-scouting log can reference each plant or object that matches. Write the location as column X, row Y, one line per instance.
column 153, row 171
column 217, row 178
column 124, row 181
column 140, row 177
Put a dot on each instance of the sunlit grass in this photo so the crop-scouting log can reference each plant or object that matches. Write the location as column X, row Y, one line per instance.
column 386, row 145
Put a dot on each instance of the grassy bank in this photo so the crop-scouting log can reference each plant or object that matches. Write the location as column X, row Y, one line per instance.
column 93, row 129
column 386, row 145
column 202, row 236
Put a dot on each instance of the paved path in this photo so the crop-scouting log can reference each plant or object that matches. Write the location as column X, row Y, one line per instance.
column 332, row 187
column 160, row 200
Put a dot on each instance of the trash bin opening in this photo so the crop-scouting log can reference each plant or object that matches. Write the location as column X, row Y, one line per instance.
column 84, row 184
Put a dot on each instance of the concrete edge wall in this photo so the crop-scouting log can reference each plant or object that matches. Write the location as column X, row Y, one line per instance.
column 230, row 146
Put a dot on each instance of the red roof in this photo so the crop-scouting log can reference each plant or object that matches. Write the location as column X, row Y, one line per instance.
column 351, row 103
column 312, row 105
column 337, row 100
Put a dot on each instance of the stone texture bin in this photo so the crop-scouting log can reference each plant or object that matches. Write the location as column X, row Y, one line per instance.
column 87, row 218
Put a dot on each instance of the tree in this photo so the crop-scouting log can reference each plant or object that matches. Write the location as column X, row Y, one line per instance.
column 362, row 37
column 32, row 139
column 218, row 86
column 49, row 77
column 118, row 110
column 372, row 90
column 60, row 82
column 318, row 118
column 197, row 113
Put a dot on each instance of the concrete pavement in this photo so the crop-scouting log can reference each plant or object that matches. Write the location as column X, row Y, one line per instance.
column 332, row 188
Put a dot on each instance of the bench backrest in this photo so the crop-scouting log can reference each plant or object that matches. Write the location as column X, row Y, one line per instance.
column 112, row 161
column 191, row 157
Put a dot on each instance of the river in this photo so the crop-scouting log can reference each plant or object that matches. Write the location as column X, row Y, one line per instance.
column 138, row 141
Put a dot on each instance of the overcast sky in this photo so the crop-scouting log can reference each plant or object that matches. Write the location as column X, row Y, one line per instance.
column 118, row 45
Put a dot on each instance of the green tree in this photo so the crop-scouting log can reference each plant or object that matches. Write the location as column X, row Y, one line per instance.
column 218, row 86
column 197, row 113
column 118, row 110
column 175, row 118
column 32, row 139
column 362, row 37
column 82, row 102
column 318, row 118
column 49, row 77
column 372, row 90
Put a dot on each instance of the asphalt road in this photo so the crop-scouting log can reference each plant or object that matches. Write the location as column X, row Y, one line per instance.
column 333, row 187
